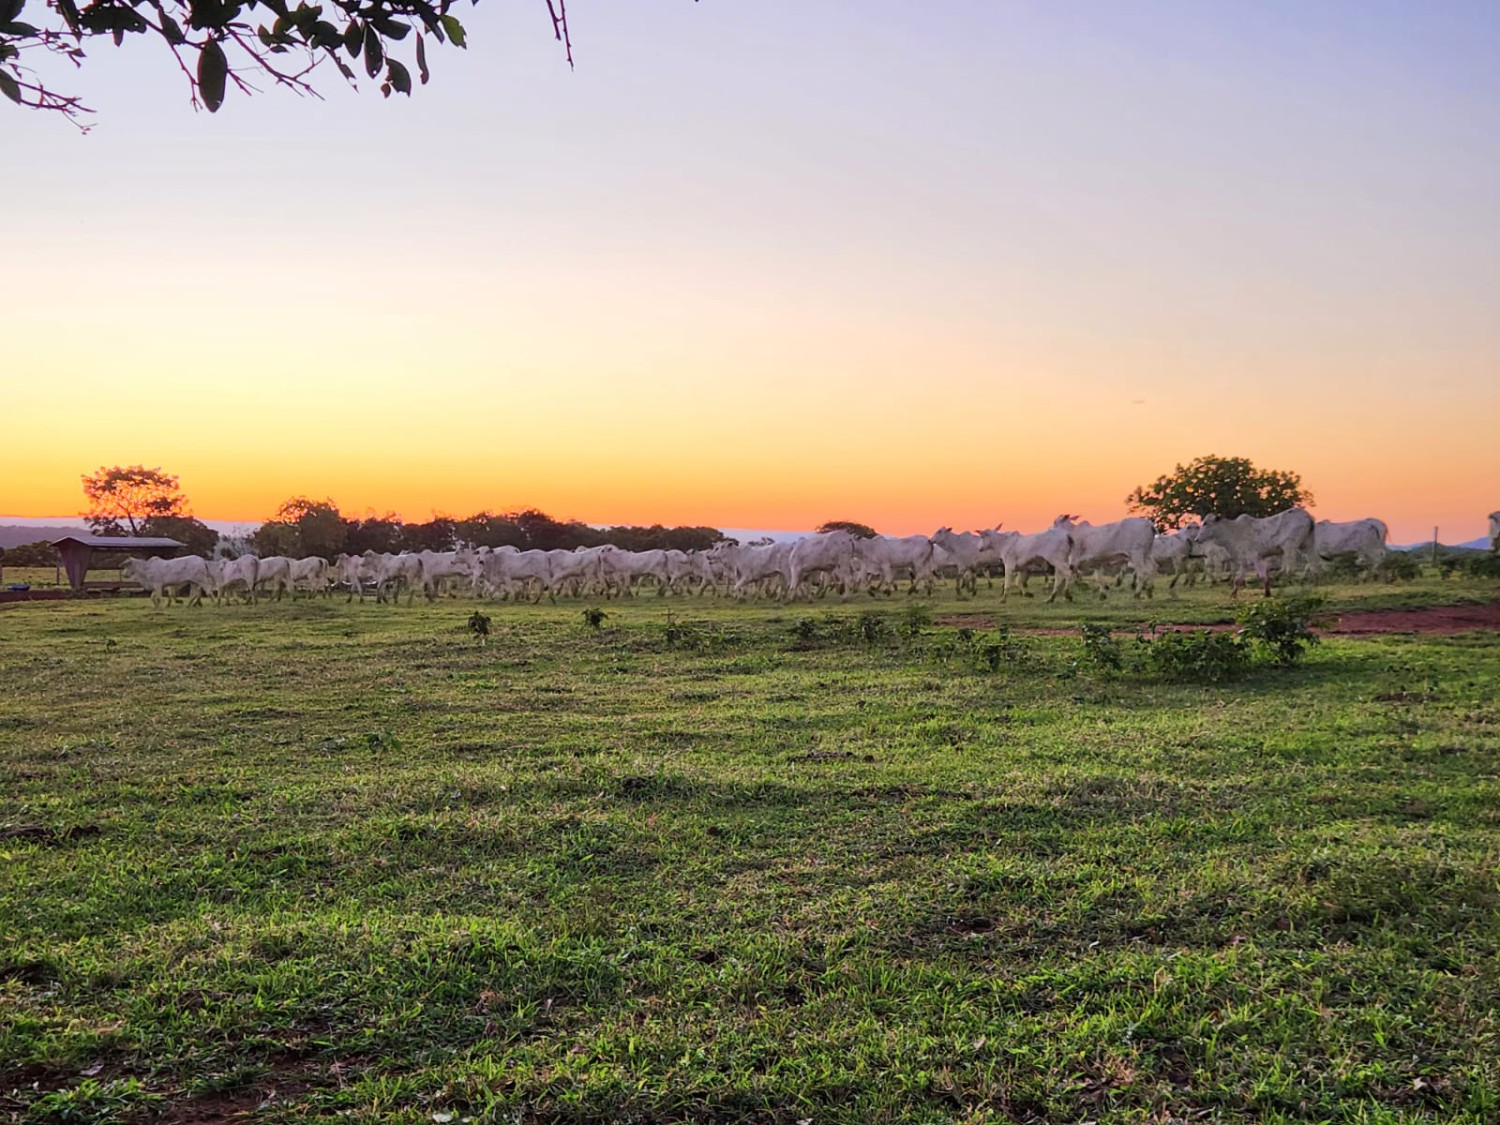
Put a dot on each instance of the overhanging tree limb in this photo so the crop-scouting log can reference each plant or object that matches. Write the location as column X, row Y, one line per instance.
column 222, row 43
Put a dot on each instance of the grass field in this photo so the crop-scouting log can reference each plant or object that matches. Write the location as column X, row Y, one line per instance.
column 310, row 859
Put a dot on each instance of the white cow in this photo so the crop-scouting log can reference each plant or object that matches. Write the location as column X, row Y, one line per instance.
column 434, row 567
column 229, row 574
column 358, row 572
column 1364, row 539
column 574, row 572
column 1253, row 543
column 767, row 565
column 393, row 573
column 354, row 572
column 966, row 552
column 830, row 553
column 162, row 576
column 1170, row 553
column 1018, row 552
column 275, row 572
column 1126, row 541
column 626, row 569
column 886, row 557
column 509, row 572
column 688, row 570
column 1173, row 555
column 310, row 574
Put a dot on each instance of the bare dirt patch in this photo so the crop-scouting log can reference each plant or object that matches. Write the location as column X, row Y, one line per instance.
column 1439, row 619
column 1434, row 619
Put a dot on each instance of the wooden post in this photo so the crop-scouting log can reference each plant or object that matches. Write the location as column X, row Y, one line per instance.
column 1434, row 546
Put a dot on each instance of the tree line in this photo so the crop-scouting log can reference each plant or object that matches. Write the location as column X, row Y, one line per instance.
column 135, row 500
column 303, row 527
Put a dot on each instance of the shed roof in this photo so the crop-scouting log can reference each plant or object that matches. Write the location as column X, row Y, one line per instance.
column 118, row 542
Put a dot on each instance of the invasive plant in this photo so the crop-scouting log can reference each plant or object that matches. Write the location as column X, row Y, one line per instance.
column 872, row 628
column 378, row 740
column 1001, row 650
column 1281, row 628
column 1483, row 566
column 594, row 617
column 1399, row 566
column 989, row 656
column 94, row 1101
column 1205, row 657
column 915, row 618
column 1343, row 567
column 1100, row 649
column 805, row 629
column 479, row 625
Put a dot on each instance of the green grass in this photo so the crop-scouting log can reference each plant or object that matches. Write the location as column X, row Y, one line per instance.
column 709, row 870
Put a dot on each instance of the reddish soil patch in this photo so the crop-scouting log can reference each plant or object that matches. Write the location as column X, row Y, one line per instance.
column 1434, row 619
column 216, row 1109
column 237, row 1107
column 1438, row 619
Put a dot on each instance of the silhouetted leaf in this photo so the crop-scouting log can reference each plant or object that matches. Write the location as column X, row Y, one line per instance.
column 454, row 29
column 399, row 76
column 9, row 88
column 422, row 60
column 374, row 56
column 213, row 69
column 354, row 37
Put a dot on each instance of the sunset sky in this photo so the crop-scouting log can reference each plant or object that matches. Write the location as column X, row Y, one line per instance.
column 767, row 264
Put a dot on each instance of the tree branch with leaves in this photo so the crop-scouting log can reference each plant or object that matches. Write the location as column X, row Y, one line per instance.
column 124, row 499
column 224, row 44
column 1222, row 486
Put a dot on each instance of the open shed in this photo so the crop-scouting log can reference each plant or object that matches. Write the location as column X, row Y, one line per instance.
column 82, row 553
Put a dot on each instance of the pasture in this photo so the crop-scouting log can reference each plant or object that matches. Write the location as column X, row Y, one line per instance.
column 740, row 863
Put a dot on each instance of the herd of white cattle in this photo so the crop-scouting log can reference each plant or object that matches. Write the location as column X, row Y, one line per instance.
column 1289, row 542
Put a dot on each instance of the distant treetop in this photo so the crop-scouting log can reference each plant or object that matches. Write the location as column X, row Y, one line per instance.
column 1223, row 486
column 858, row 530
column 122, row 498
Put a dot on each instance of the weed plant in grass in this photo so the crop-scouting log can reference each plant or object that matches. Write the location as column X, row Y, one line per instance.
column 703, row 869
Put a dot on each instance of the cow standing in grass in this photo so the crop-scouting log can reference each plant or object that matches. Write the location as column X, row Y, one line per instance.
column 1253, row 543
column 163, row 576
column 231, row 574
column 1128, row 541
column 1364, row 539
column 1021, row 552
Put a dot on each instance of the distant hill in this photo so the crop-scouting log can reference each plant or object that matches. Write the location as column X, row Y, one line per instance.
column 1471, row 545
column 13, row 535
